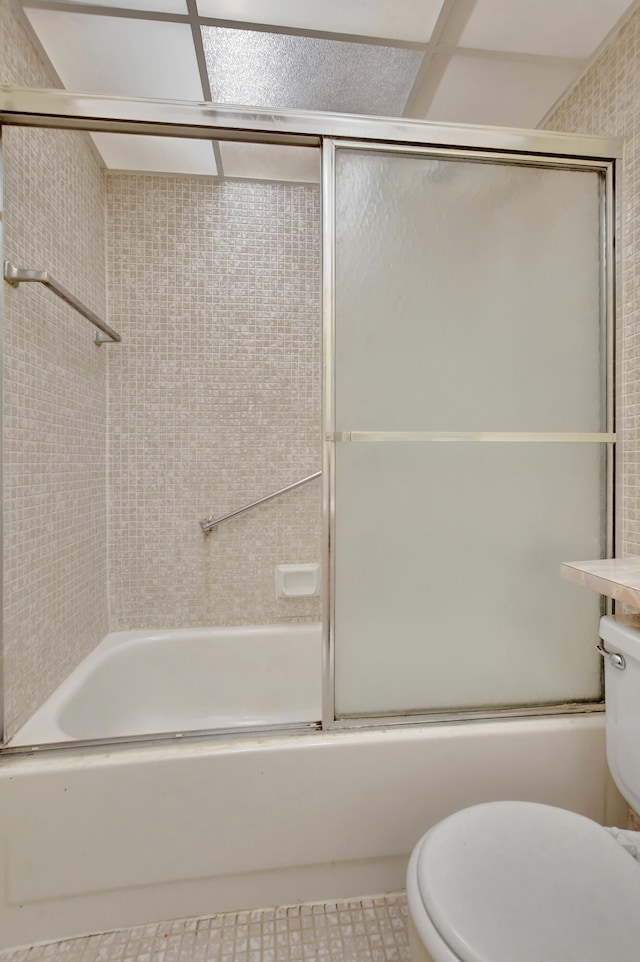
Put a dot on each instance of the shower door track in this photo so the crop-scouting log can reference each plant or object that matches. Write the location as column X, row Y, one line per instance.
column 340, row 727
column 68, row 110
column 286, row 730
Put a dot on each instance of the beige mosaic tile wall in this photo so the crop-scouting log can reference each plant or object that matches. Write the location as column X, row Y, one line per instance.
column 214, row 397
column 55, row 605
column 606, row 101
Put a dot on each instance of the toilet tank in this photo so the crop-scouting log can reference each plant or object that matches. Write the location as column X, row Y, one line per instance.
column 621, row 636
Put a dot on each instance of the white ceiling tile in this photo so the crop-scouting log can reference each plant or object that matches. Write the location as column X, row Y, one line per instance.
column 394, row 19
column 271, row 162
column 174, row 155
column 123, row 57
column 498, row 91
column 156, row 6
column 559, row 28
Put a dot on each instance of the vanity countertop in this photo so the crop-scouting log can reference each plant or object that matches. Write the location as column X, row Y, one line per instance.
column 617, row 578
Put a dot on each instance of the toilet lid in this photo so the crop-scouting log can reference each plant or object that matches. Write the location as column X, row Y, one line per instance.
column 512, row 881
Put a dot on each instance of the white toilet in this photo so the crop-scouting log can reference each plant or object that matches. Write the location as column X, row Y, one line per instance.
column 523, row 882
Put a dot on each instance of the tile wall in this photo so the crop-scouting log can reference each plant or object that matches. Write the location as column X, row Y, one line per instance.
column 55, row 604
column 214, row 397
column 605, row 102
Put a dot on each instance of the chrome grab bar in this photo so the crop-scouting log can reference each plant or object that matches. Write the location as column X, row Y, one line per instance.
column 18, row 275
column 210, row 524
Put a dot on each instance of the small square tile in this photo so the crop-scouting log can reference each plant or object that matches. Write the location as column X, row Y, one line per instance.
column 364, row 936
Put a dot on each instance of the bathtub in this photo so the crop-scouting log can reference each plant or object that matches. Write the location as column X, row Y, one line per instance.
column 99, row 838
column 145, row 682
column 94, row 840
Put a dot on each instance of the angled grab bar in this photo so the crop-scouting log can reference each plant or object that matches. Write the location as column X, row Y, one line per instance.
column 210, row 524
column 18, row 275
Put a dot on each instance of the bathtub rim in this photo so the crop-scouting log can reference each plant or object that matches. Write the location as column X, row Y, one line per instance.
column 121, row 640
column 234, row 737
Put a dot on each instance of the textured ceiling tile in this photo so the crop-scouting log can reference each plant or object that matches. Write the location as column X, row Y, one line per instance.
column 277, row 70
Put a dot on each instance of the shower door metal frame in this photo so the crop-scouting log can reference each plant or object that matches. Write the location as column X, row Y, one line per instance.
column 56, row 109
column 607, row 168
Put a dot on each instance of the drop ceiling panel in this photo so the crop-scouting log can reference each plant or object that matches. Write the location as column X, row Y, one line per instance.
column 395, row 19
column 558, row 28
column 269, row 162
column 305, row 73
column 155, row 6
column 499, row 91
column 123, row 57
column 175, row 155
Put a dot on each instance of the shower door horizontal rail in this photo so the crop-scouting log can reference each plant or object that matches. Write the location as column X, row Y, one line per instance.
column 210, row 524
column 19, row 275
column 539, row 437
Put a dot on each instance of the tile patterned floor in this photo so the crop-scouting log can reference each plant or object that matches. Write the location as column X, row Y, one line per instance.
column 353, row 930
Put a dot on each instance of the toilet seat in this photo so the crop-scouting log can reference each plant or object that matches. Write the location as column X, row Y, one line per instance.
column 511, row 881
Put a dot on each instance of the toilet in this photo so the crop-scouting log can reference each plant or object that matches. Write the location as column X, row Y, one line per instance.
column 524, row 882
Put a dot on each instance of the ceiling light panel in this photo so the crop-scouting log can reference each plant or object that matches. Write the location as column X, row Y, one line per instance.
column 257, row 69
column 393, row 19
column 120, row 56
column 166, row 155
column 499, row 91
column 270, row 162
column 558, row 28
column 154, row 6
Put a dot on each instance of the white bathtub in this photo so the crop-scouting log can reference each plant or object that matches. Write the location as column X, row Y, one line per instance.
column 144, row 682
column 93, row 839
column 102, row 839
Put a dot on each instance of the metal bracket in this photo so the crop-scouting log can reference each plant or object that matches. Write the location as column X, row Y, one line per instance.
column 208, row 524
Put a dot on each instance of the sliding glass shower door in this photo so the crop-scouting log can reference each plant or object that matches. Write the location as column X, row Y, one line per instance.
column 467, row 424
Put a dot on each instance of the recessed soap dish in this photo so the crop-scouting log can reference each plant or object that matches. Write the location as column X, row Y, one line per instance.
column 298, row 581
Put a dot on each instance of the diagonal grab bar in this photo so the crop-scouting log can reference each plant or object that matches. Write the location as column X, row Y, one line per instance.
column 18, row 275
column 210, row 524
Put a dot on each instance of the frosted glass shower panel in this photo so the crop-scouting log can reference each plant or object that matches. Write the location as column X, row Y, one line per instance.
column 468, row 295
column 447, row 586
column 470, row 430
